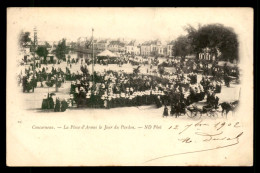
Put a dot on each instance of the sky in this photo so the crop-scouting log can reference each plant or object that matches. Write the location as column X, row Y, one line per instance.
column 141, row 24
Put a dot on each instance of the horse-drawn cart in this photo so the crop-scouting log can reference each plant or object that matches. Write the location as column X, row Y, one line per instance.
column 196, row 111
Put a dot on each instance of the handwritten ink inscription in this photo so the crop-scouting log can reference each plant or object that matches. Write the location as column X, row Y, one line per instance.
column 209, row 132
column 217, row 135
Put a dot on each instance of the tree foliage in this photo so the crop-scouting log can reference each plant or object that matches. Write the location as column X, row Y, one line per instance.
column 61, row 49
column 42, row 51
column 182, row 47
column 47, row 45
column 73, row 45
column 24, row 38
column 217, row 38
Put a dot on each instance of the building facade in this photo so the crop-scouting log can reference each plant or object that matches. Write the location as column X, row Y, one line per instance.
column 132, row 48
column 116, row 46
column 206, row 54
column 102, row 45
column 162, row 50
column 145, row 50
column 169, row 50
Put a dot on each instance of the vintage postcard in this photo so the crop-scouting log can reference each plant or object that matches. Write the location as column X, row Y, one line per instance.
column 129, row 87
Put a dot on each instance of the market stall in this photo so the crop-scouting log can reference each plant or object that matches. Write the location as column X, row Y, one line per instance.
column 107, row 57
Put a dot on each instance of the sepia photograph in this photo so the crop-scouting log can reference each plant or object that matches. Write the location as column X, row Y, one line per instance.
column 129, row 87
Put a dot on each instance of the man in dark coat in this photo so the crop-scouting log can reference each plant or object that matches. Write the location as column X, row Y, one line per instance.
column 50, row 101
column 25, row 83
column 173, row 110
column 57, row 105
column 227, row 80
column 64, row 105
column 81, row 98
column 218, row 88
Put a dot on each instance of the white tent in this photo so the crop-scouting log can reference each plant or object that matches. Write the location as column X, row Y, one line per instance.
column 117, row 54
column 106, row 53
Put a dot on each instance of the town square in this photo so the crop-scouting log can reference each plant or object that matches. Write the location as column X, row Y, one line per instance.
column 129, row 86
column 105, row 74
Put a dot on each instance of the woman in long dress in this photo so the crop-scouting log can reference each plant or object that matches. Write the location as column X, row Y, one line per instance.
column 172, row 112
column 165, row 112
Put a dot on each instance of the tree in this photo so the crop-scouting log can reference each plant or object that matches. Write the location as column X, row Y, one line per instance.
column 217, row 38
column 47, row 45
column 73, row 45
column 182, row 47
column 61, row 49
column 24, row 39
column 42, row 52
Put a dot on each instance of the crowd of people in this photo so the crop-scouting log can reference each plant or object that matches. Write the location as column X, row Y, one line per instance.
column 110, row 89
column 203, row 67
column 29, row 80
column 58, row 106
column 117, row 89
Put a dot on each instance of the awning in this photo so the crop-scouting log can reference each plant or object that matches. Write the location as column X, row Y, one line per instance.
column 107, row 53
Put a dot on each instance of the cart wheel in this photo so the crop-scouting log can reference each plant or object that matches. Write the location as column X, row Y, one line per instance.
column 199, row 114
column 209, row 114
column 215, row 114
column 191, row 114
column 188, row 113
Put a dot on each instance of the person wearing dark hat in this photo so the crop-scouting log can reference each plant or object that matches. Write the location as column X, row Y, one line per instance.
column 117, row 100
column 216, row 102
column 25, row 83
column 92, row 100
column 64, row 105
column 81, row 98
column 173, row 110
column 158, row 102
column 227, row 80
column 138, row 99
column 50, row 101
column 57, row 105
column 218, row 88
column 182, row 107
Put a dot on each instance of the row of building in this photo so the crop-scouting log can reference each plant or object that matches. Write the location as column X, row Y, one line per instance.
column 148, row 48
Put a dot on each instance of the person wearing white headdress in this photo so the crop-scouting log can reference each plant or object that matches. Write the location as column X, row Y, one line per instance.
column 45, row 102
column 109, row 98
column 131, row 90
column 71, row 100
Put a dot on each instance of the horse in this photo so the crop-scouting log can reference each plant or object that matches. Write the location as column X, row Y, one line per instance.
column 180, row 108
column 227, row 107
